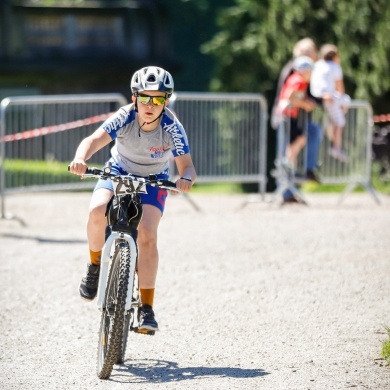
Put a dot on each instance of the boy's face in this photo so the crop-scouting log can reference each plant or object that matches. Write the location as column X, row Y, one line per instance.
column 150, row 104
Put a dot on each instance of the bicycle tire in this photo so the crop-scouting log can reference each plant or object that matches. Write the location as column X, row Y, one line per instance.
column 126, row 329
column 113, row 315
column 129, row 320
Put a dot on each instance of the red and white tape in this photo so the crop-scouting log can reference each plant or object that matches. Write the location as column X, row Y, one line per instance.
column 55, row 129
column 96, row 119
column 382, row 118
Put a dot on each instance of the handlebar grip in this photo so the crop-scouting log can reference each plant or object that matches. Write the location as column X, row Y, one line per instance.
column 90, row 171
column 169, row 183
column 93, row 171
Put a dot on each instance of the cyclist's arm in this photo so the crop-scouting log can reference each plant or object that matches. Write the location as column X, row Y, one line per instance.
column 186, row 170
column 87, row 148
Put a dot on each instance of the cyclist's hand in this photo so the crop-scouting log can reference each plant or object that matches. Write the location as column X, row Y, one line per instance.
column 184, row 185
column 78, row 167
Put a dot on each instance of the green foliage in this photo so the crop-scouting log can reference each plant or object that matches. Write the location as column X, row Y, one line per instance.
column 49, row 3
column 191, row 23
column 256, row 39
column 386, row 347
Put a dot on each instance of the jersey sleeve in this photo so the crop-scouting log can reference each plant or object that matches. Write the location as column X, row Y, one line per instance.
column 118, row 121
column 177, row 135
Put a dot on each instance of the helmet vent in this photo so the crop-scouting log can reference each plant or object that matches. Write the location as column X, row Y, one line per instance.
column 152, row 78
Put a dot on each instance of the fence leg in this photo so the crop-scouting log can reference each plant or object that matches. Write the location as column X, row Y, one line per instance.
column 192, row 202
column 253, row 199
column 373, row 193
column 367, row 187
column 286, row 181
column 10, row 216
column 3, row 214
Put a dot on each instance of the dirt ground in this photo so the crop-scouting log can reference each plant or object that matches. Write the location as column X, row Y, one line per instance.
column 254, row 297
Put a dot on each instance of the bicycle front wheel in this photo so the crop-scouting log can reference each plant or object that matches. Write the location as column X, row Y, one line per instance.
column 129, row 318
column 113, row 315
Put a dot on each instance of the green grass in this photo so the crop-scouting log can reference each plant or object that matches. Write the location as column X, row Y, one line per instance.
column 33, row 172
column 217, row 188
column 35, row 166
column 386, row 347
column 377, row 183
column 23, row 173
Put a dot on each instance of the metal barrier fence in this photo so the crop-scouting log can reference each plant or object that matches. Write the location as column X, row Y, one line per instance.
column 227, row 134
column 36, row 130
column 357, row 140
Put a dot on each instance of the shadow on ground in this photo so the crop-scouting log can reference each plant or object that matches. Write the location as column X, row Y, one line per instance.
column 160, row 371
column 42, row 239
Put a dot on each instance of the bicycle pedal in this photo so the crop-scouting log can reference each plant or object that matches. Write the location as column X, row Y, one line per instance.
column 144, row 331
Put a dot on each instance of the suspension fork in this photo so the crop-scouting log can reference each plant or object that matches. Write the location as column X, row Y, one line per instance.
column 105, row 265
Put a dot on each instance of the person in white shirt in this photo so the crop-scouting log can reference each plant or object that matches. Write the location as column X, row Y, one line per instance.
column 327, row 83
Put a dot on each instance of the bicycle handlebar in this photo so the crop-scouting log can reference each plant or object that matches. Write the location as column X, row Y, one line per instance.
column 152, row 180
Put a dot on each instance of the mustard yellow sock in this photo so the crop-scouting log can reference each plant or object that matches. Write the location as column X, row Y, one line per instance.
column 147, row 296
column 95, row 257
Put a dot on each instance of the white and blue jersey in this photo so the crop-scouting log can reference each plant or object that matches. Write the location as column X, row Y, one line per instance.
column 145, row 152
column 142, row 153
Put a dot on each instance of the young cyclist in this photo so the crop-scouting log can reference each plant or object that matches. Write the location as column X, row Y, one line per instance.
column 146, row 134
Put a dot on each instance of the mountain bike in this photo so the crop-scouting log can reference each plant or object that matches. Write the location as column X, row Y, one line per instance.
column 118, row 296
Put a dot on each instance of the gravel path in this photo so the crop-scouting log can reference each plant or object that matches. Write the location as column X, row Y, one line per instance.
column 260, row 297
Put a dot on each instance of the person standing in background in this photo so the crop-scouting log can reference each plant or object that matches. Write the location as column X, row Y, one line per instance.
column 304, row 47
column 293, row 98
column 327, row 83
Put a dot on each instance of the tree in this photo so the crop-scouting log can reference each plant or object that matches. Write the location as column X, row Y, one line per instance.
column 256, row 39
column 191, row 24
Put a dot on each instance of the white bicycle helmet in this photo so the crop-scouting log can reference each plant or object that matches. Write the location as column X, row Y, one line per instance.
column 152, row 78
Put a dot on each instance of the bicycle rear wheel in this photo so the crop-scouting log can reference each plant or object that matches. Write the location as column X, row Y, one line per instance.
column 113, row 315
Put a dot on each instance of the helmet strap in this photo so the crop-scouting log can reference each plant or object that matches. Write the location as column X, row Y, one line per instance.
column 136, row 103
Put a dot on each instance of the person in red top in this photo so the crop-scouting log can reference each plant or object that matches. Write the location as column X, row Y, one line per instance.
column 292, row 98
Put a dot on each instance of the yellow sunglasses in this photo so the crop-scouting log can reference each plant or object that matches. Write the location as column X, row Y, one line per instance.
column 156, row 100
